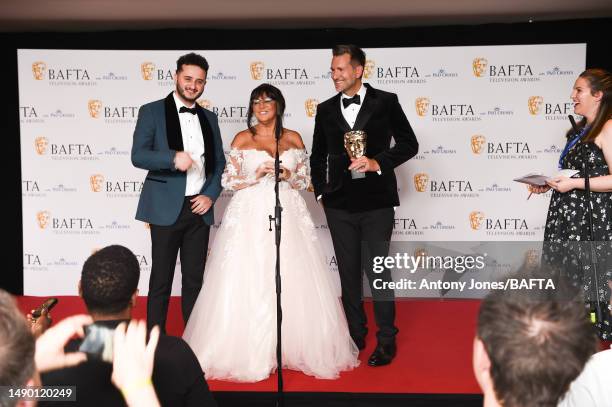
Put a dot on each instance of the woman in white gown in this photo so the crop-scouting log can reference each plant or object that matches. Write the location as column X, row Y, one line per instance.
column 232, row 328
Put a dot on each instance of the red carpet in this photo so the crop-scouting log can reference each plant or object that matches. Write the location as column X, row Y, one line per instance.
column 434, row 350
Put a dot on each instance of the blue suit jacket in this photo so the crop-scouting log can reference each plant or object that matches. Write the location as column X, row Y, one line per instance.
column 157, row 138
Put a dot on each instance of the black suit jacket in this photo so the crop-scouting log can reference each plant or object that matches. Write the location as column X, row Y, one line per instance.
column 382, row 118
column 177, row 377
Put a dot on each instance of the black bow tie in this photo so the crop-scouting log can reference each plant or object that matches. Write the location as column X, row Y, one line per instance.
column 184, row 109
column 346, row 102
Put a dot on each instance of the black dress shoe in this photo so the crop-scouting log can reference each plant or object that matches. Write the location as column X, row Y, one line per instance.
column 360, row 342
column 382, row 355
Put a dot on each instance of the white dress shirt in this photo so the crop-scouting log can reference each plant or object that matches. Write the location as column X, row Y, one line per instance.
column 193, row 144
column 593, row 388
column 351, row 111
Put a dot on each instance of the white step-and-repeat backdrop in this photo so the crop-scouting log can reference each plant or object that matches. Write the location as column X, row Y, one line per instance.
column 482, row 115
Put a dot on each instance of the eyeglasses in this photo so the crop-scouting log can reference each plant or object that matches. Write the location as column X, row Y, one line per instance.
column 265, row 101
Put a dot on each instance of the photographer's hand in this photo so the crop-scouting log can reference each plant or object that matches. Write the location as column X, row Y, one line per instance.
column 50, row 346
column 41, row 324
column 133, row 363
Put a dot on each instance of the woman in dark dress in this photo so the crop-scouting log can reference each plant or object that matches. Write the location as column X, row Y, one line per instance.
column 568, row 219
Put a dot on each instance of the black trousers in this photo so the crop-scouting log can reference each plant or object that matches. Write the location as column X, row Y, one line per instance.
column 357, row 237
column 189, row 234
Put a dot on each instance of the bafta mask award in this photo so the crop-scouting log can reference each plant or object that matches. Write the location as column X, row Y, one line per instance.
column 355, row 145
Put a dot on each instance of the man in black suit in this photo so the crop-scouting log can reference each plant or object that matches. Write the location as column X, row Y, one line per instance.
column 109, row 288
column 361, row 210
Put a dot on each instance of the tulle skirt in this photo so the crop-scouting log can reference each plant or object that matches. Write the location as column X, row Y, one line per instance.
column 232, row 328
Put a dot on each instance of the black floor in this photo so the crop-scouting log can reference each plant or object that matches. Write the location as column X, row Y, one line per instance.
column 265, row 399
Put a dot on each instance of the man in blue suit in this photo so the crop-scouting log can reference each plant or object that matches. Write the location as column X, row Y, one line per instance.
column 179, row 143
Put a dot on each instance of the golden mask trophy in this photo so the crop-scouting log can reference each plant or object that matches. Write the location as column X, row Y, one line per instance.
column 355, row 145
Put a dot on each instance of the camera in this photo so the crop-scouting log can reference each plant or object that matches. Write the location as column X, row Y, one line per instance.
column 98, row 342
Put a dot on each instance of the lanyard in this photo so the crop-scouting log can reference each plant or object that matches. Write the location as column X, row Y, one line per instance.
column 571, row 144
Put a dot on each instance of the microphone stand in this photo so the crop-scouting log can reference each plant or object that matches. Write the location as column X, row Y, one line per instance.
column 280, row 402
column 598, row 317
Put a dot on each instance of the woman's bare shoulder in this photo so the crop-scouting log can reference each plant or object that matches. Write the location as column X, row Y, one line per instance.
column 242, row 140
column 294, row 140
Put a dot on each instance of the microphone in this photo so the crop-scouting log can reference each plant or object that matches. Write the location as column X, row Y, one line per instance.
column 573, row 122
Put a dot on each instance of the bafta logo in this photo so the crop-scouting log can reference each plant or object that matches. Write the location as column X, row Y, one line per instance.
column 38, row 69
column 420, row 181
column 422, row 105
column 420, row 252
column 476, row 219
column 95, row 182
column 368, row 69
column 41, row 143
column 146, row 70
column 205, row 103
column 257, row 69
column 43, row 217
column 479, row 66
column 535, row 104
column 311, row 107
column 477, row 143
column 94, row 107
column 532, row 258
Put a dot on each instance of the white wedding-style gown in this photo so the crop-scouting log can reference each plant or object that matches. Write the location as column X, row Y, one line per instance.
column 232, row 328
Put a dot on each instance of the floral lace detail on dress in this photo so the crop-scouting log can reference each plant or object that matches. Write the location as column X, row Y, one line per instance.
column 300, row 176
column 233, row 177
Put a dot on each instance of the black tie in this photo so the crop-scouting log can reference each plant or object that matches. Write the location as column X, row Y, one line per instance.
column 346, row 102
column 184, row 109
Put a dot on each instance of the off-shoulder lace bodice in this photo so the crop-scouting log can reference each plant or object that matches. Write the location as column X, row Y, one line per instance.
column 242, row 165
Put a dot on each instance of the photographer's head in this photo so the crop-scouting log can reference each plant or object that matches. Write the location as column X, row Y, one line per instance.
column 530, row 345
column 17, row 348
column 109, row 283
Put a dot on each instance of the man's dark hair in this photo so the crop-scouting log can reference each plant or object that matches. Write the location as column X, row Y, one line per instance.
column 16, row 346
column 358, row 57
column 538, row 342
column 109, row 279
column 192, row 59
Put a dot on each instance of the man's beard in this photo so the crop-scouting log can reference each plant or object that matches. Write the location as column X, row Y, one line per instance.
column 180, row 92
